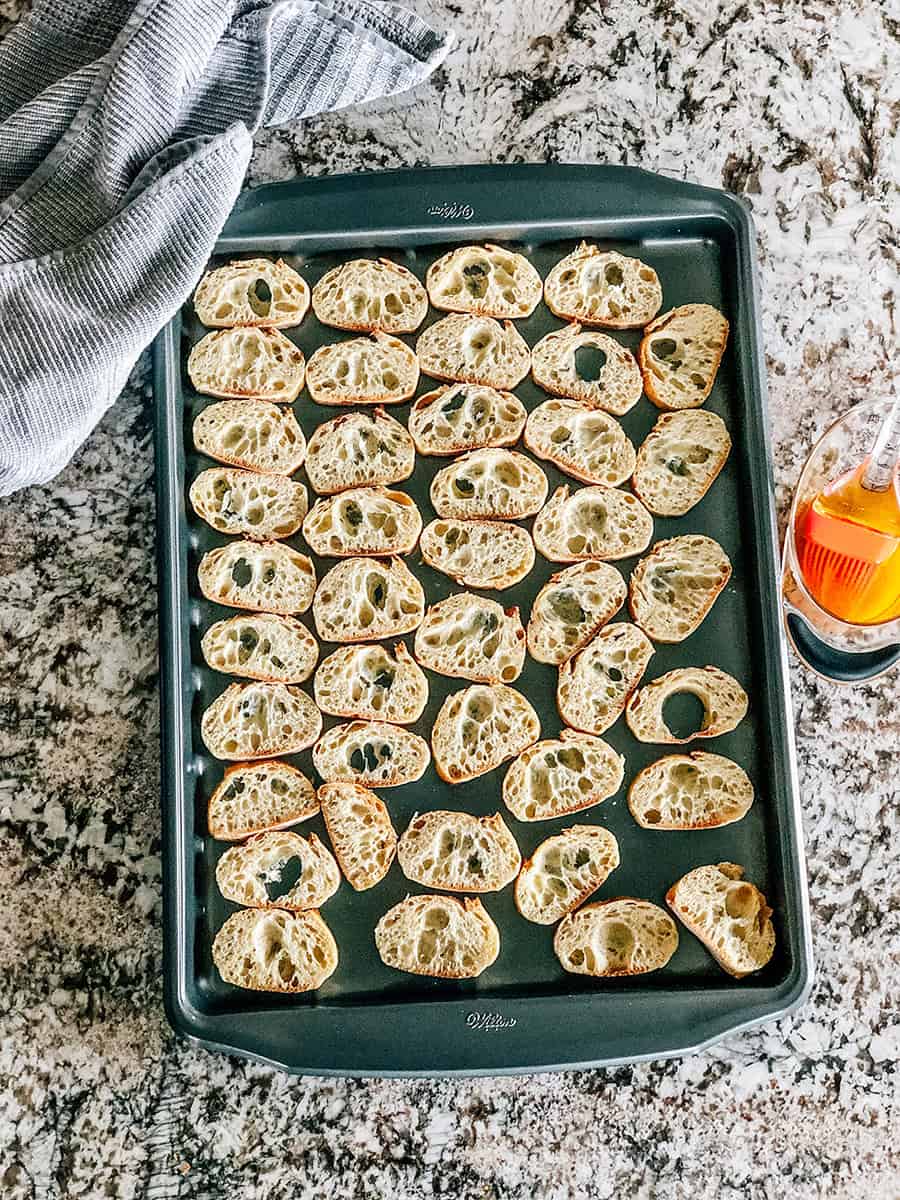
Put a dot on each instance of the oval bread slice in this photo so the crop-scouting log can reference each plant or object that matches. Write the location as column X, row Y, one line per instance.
column 278, row 870
column 372, row 753
column 361, row 832
column 252, row 291
column 479, row 554
column 616, row 937
column 472, row 349
column 602, row 287
column 572, row 606
column 680, row 354
column 555, row 361
column 369, row 294
column 438, row 936
column 728, row 914
column 690, row 791
column 368, row 520
column 586, row 443
column 563, row 871
column 679, row 460
column 261, row 646
column 260, row 576
column 458, row 852
column 256, row 797
column 594, row 685
column 563, row 775
column 724, row 704
column 465, row 416
column 366, row 370
column 479, row 728
column 275, row 951
column 470, row 637
column 260, row 720
column 359, row 449
column 247, row 362
column 262, row 507
column 492, row 484
column 594, row 522
column 372, row 684
column 675, row 586
column 366, row 599
column 487, row 280
column 252, row 434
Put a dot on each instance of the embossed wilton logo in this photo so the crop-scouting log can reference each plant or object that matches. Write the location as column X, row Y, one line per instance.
column 489, row 1021
column 451, row 211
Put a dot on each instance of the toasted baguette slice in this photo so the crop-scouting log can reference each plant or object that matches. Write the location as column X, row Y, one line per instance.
column 367, row 520
column 487, row 280
column 248, row 362
column 371, row 752
column 479, row 728
column 366, row 370
column 492, row 484
column 365, row 600
column 275, row 951
column 260, row 720
column 675, row 586
column 264, row 646
column 478, row 554
column 438, row 936
column 278, row 870
column 601, row 287
column 471, row 637
column 615, row 388
column 359, row 449
column 585, row 443
column 361, row 832
column 458, row 852
column 679, row 460
column 680, row 354
column 563, row 871
column 262, row 577
column 252, row 291
column 690, row 791
column 595, row 522
column 471, row 349
column 261, row 507
column 463, row 417
column 259, row 797
column 724, row 704
column 562, row 775
column 252, row 434
column 372, row 684
column 595, row 684
column 728, row 914
column 616, row 937
column 369, row 294
column 572, row 606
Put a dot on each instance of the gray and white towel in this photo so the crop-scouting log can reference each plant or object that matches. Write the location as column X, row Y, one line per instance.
column 125, row 133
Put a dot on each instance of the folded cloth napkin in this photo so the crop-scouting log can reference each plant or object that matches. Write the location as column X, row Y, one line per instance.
column 125, row 133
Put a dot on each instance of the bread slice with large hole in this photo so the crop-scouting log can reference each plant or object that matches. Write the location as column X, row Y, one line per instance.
column 487, row 280
column 247, row 362
column 247, row 504
column 571, row 607
column 458, row 852
column 563, row 871
column 478, row 554
column 616, row 937
column 367, row 599
column 679, row 355
column 366, row 370
column 679, row 461
column 372, row 684
column 372, row 753
column 564, row 775
column 252, row 434
column 278, row 870
column 275, row 951
column 674, row 587
column 367, row 520
column 595, row 684
column 252, row 291
column 584, row 442
column 609, row 380
column 491, row 484
column 257, row 797
column 728, row 914
column 264, row 646
column 260, row 576
column 359, row 449
column 603, row 287
column 439, row 936
column 465, row 416
column 472, row 349
column 479, row 728
column 470, row 637
column 690, row 791
column 724, row 704
column 260, row 720
column 361, row 832
column 369, row 294
column 593, row 522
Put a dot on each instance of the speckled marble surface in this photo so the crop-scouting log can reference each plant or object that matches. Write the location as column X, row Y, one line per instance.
column 796, row 105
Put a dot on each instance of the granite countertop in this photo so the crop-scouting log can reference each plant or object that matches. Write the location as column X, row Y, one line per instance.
column 795, row 106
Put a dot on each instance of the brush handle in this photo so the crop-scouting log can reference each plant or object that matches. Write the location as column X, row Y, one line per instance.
column 885, row 454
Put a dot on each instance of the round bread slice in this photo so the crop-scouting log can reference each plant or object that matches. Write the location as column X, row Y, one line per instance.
column 366, row 370
column 438, row 936
column 260, row 576
column 369, row 294
column 615, row 380
column 690, row 791
column 373, row 753
column 680, row 353
column 491, row 484
column 675, row 586
column 616, row 937
column 372, row 684
column 465, row 416
column 487, row 280
column 247, row 362
column 602, row 287
column 367, row 599
column 728, row 914
column 369, row 520
column 262, row 507
column 595, row 684
column 361, row 832
column 563, row 871
column 594, row 522
column 260, row 720
column 278, row 870
column 479, row 728
column 252, row 291
column 470, row 637
column 256, row 797
column 679, row 460
column 263, row 646
column 571, row 607
column 560, row 776
column 275, row 951
column 458, row 852
column 479, row 554
column 359, row 449
column 472, row 349
column 252, row 434
column 724, row 704
column 585, row 443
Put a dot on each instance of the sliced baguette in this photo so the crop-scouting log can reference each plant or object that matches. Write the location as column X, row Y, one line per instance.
column 594, row 685
column 478, row 554
column 252, row 434
column 585, row 443
column 252, row 291
column 254, row 874
column 247, row 362
column 479, row 728
column 675, row 586
column 260, row 576
column 560, row 776
column 554, row 367
column 471, row 349
column 471, row 637
column 571, row 607
column 261, row 507
column 366, row 599
column 491, row 484
column 724, row 704
column 487, row 280
column 366, row 370
column 563, row 871
column 438, row 936
column 373, row 753
column 368, row 520
column 369, row 294
column 370, row 683
column 263, row 646
column 260, row 720
column 463, row 417
column 616, row 937
column 594, row 522
column 361, row 832
column 728, row 914
column 457, row 852
column 679, row 461
column 275, row 951
column 258, row 797
column 680, row 353
column 690, row 791
column 359, row 449
column 601, row 287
